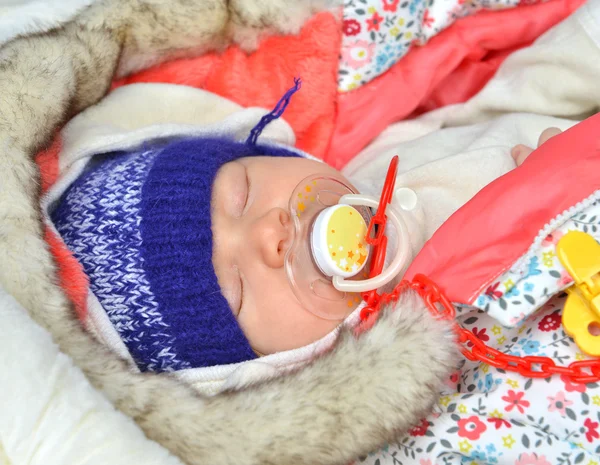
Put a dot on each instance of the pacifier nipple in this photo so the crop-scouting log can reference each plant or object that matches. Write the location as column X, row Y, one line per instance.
column 338, row 241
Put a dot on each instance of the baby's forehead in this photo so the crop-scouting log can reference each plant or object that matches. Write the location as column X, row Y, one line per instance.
column 286, row 171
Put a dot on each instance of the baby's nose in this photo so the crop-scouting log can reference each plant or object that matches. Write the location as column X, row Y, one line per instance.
column 274, row 235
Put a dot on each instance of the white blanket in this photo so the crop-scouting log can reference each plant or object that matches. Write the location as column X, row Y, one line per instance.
column 50, row 412
column 22, row 17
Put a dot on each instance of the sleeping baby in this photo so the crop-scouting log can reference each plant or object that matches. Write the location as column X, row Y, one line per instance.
column 159, row 227
column 193, row 220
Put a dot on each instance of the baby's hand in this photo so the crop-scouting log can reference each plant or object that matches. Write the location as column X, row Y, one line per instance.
column 521, row 152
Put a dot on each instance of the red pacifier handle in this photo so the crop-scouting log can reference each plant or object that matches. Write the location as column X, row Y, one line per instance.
column 380, row 219
column 379, row 242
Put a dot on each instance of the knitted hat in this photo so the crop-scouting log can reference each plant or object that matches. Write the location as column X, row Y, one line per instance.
column 140, row 225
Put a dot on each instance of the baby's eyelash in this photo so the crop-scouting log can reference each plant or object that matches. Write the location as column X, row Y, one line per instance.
column 249, row 186
column 241, row 293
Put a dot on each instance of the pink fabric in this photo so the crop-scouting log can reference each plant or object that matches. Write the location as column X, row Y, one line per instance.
column 451, row 68
column 70, row 272
column 488, row 234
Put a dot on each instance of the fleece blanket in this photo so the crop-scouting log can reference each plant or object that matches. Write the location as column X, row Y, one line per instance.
column 488, row 415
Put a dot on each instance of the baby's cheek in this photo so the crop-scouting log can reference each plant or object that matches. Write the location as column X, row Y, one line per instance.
column 279, row 324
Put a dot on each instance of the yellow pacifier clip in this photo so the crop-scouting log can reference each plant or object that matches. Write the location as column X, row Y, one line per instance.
column 579, row 253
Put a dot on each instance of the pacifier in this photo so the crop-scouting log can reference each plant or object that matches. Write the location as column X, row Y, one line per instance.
column 338, row 245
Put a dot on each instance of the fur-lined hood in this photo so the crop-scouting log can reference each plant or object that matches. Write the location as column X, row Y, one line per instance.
column 139, row 114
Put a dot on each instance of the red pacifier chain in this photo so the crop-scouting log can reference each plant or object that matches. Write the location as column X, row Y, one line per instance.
column 584, row 371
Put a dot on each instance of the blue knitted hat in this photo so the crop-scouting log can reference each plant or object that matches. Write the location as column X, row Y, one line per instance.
column 140, row 225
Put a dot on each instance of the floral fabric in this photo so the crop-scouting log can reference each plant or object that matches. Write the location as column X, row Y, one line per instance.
column 378, row 33
column 489, row 416
column 529, row 284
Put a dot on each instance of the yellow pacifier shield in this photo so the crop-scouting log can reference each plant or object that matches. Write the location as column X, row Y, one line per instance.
column 580, row 255
column 346, row 232
column 339, row 244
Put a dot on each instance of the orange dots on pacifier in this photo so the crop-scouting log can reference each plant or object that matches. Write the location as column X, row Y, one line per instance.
column 301, row 206
column 308, row 188
column 353, row 300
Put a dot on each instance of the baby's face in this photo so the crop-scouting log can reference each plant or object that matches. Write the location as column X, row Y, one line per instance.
column 252, row 231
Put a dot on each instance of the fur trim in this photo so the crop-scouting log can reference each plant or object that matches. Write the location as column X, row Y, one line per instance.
column 349, row 401
column 250, row 20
